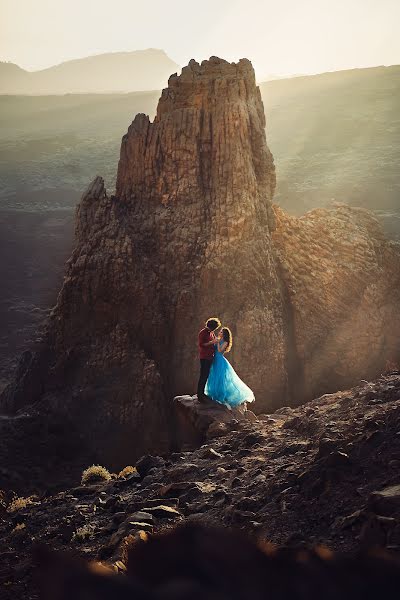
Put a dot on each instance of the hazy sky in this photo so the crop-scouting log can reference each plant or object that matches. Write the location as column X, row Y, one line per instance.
column 279, row 36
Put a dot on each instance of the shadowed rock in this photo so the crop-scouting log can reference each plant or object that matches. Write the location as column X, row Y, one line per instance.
column 197, row 421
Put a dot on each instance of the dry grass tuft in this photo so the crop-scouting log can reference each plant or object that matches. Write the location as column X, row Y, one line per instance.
column 19, row 503
column 94, row 474
column 127, row 471
column 83, row 533
column 18, row 528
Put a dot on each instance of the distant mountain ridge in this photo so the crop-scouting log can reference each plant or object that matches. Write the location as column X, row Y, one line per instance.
column 139, row 70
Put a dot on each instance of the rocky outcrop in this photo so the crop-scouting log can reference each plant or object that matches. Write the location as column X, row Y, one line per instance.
column 198, row 184
column 342, row 278
column 197, row 421
column 187, row 235
column 191, row 232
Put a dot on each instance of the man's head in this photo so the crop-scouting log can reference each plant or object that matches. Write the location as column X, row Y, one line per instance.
column 213, row 323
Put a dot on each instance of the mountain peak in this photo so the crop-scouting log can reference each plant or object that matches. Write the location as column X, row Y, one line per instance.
column 137, row 70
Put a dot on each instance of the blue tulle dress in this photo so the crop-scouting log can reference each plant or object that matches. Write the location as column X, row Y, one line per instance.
column 224, row 384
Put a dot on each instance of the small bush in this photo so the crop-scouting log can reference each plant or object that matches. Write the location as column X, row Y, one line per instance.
column 19, row 503
column 18, row 528
column 94, row 474
column 83, row 533
column 127, row 471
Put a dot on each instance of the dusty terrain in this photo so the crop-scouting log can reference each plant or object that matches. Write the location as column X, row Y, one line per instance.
column 327, row 472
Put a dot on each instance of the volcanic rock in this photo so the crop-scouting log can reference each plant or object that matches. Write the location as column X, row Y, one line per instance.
column 386, row 501
column 193, row 202
column 197, row 421
column 314, row 302
column 261, row 491
column 342, row 278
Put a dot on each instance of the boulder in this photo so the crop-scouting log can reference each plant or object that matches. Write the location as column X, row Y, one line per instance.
column 148, row 462
column 196, row 419
column 386, row 502
column 162, row 511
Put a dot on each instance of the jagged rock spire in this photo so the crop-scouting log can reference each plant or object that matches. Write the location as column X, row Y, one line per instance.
column 192, row 232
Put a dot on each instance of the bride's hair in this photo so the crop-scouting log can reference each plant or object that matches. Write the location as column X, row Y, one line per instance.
column 227, row 337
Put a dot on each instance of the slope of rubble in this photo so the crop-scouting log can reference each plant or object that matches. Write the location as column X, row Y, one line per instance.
column 326, row 472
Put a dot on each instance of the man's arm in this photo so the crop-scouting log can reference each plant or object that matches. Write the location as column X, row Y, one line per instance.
column 204, row 339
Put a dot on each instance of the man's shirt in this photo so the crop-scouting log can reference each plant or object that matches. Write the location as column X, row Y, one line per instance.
column 207, row 352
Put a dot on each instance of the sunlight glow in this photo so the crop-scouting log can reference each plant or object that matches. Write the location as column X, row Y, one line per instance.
column 285, row 38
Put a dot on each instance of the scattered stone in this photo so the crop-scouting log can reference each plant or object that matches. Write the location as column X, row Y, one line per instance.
column 148, row 462
column 337, row 459
column 118, row 517
column 214, row 454
column 85, row 490
column 173, row 489
column 143, row 515
column 125, row 482
column 349, row 520
column 387, row 501
column 284, row 410
column 216, row 430
column 252, row 438
column 248, row 504
column 375, row 531
column 284, row 482
column 326, row 446
column 139, row 525
column 162, row 512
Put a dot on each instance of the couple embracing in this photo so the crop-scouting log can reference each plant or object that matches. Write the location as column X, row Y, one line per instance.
column 218, row 380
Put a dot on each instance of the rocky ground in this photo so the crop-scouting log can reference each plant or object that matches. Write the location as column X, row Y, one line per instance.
column 326, row 472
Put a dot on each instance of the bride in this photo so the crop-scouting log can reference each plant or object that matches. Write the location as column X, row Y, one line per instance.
column 223, row 384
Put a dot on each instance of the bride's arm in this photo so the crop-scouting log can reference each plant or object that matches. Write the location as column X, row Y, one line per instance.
column 222, row 348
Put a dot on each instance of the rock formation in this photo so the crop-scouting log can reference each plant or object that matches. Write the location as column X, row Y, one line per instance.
column 342, row 278
column 191, row 232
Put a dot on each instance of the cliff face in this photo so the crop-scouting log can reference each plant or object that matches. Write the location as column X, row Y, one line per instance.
column 187, row 235
column 198, row 184
column 342, row 278
column 192, row 233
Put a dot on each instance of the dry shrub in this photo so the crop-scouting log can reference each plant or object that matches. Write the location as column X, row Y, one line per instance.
column 127, row 471
column 94, row 474
column 18, row 528
column 83, row 533
column 19, row 503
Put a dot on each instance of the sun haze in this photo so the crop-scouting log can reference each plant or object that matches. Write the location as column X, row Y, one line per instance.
column 285, row 38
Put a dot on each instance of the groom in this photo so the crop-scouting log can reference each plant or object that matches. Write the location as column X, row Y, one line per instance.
column 207, row 340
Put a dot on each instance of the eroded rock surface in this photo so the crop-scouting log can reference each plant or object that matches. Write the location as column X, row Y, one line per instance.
column 342, row 278
column 313, row 302
column 197, row 421
column 193, row 202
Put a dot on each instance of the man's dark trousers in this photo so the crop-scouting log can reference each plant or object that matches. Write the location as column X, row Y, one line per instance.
column 205, row 366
